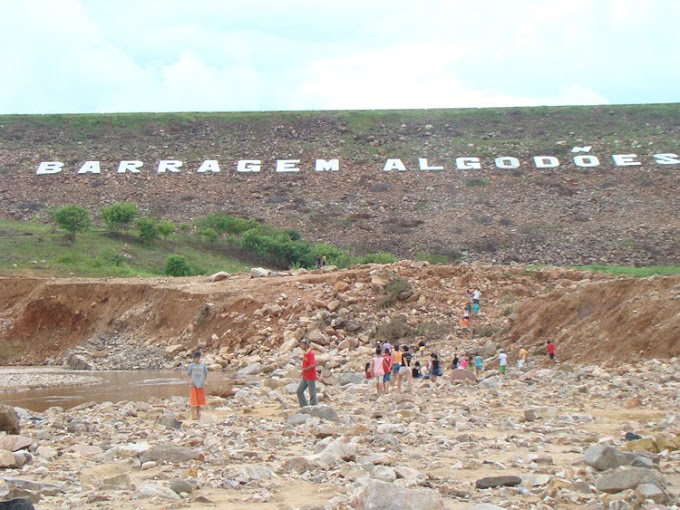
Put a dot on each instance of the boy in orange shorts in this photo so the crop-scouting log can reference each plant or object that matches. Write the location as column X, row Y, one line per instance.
column 198, row 373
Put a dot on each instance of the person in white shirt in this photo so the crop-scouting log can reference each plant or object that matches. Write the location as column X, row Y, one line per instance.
column 502, row 362
column 476, row 295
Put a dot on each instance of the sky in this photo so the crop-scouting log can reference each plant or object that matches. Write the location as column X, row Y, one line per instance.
column 80, row 56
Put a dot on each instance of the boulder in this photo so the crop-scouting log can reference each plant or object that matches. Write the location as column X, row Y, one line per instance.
column 9, row 420
column 650, row 491
column 180, row 486
column 218, row 277
column 378, row 495
column 259, row 272
column 629, row 478
column 17, row 504
column 252, row 369
column 15, row 443
column 173, row 350
column 391, row 428
column 170, row 453
column 7, row 459
column 466, row 376
column 323, row 412
column 106, row 477
column 539, row 413
column 604, row 457
column 151, row 490
column 339, row 450
column 341, row 286
column 77, row 362
column 487, row 506
column 490, row 482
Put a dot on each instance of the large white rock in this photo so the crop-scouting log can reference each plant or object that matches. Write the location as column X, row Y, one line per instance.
column 379, row 495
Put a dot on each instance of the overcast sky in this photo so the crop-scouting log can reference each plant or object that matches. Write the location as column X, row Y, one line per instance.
column 220, row 55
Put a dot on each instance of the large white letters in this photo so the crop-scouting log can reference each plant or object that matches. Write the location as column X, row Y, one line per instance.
column 546, row 162
column 507, row 163
column 248, row 166
column 667, row 159
column 131, row 166
column 625, row 160
column 423, row 165
column 90, row 167
column 394, row 164
column 586, row 161
column 169, row 165
column 468, row 164
column 287, row 165
column 209, row 165
column 49, row 167
column 331, row 165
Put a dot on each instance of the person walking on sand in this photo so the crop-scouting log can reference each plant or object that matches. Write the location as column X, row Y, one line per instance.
column 550, row 347
column 308, row 375
column 198, row 373
column 502, row 362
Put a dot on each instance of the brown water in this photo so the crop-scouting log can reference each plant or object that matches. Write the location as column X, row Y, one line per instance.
column 112, row 386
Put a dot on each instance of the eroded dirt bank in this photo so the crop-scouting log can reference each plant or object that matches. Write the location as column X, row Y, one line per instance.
column 154, row 323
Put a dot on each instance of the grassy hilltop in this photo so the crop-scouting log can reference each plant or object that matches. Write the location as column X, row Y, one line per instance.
column 607, row 215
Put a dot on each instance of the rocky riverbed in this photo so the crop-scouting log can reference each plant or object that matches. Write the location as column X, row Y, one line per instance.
column 556, row 437
column 17, row 379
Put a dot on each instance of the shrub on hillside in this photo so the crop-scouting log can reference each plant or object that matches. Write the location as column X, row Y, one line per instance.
column 207, row 234
column 119, row 216
column 148, row 229
column 72, row 218
column 394, row 329
column 166, row 227
column 225, row 224
column 378, row 258
column 279, row 248
column 397, row 290
column 176, row 265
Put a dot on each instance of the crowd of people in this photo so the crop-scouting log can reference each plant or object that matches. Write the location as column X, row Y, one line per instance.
column 391, row 365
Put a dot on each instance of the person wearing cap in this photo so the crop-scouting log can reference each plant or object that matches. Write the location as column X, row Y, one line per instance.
column 308, row 375
column 502, row 362
column 198, row 373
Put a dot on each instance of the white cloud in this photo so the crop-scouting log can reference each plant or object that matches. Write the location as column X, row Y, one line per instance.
column 146, row 55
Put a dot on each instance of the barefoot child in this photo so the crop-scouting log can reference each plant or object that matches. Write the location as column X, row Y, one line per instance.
column 198, row 373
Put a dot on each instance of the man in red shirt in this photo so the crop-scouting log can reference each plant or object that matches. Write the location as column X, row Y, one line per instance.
column 550, row 347
column 308, row 375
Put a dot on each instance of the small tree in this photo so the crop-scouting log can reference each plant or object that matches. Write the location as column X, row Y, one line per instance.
column 72, row 218
column 119, row 216
column 208, row 234
column 176, row 265
column 148, row 229
column 165, row 228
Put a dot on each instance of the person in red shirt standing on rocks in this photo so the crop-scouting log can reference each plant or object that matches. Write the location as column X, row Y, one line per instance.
column 550, row 347
column 308, row 375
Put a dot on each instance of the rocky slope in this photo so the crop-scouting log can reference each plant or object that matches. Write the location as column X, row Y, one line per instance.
column 154, row 323
column 563, row 216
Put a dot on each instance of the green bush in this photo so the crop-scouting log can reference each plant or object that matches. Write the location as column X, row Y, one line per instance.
column 432, row 258
column 207, row 234
column 378, row 258
column 166, row 227
column 72, row 218
column 119, row 216
column 397, row 289
column 224, row 224
column 281, row 249
column 176, row 265
column 148, row 229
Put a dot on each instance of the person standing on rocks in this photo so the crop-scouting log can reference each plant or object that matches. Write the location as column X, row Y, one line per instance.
column 523, row 353
column 476, row 295
column 308, row 375
column 198, row 373
column 378, row 371
column 405, row 370
column 396, row 366
column 454, row 363
column 479, row 365
column 502, row 362
column 387, row 368
column 550, row 347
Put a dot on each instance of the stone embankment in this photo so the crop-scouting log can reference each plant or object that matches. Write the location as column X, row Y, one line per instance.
column 568, row 436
